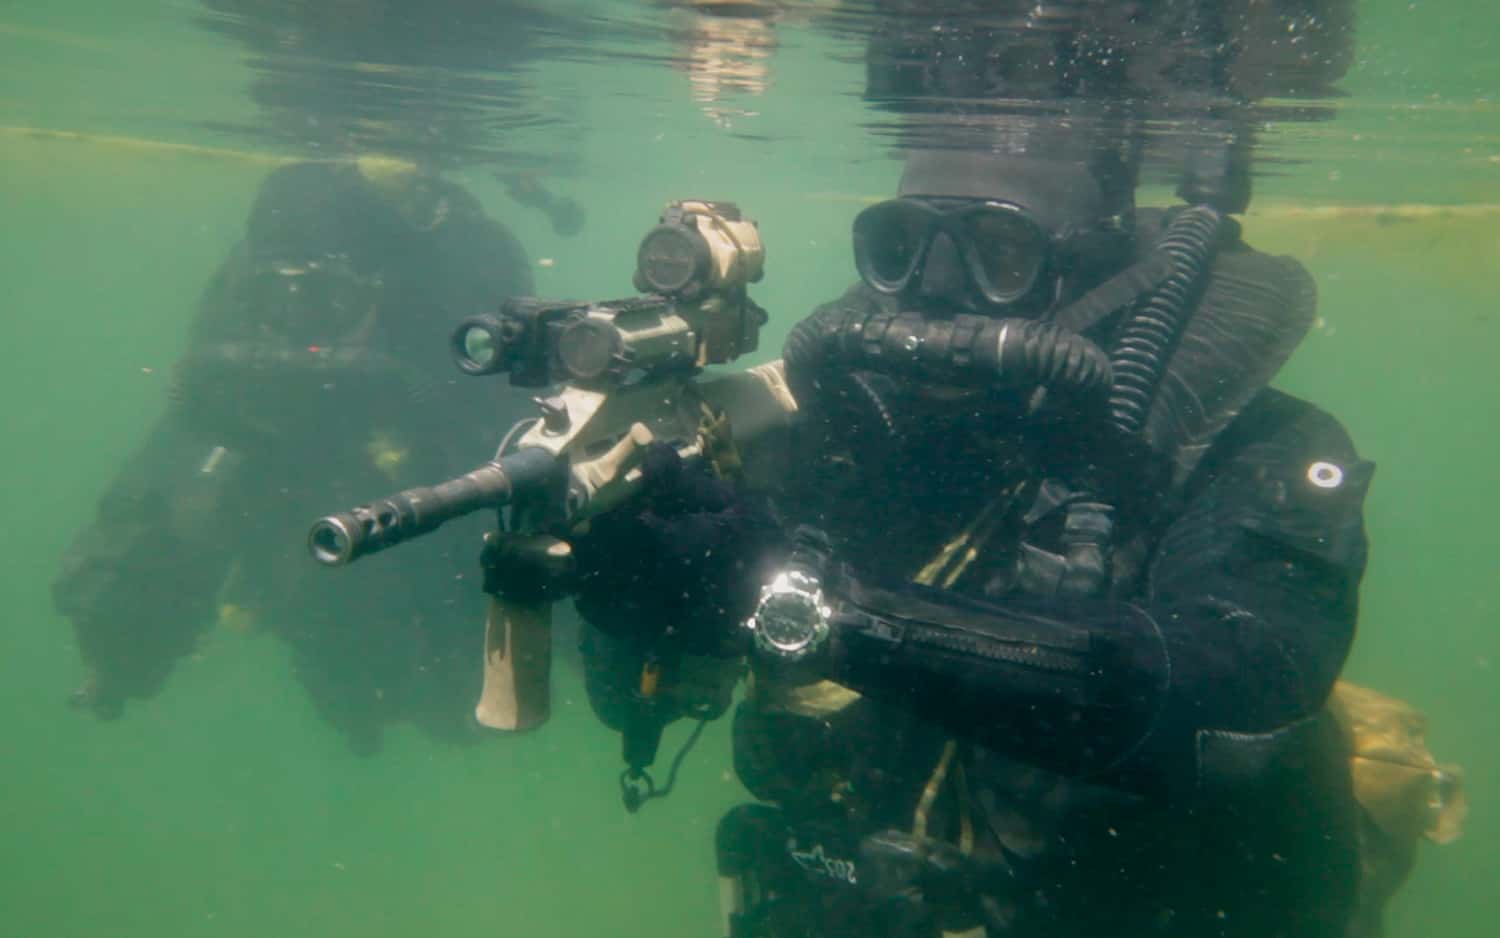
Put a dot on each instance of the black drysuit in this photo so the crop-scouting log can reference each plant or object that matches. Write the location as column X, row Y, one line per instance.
column 277, row 419
column 1151, row 758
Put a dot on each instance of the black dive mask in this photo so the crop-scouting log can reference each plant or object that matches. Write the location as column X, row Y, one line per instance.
column 996, row 252
column 311, row 302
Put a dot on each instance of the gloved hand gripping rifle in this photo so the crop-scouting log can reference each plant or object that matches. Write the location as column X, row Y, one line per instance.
column 622, row 374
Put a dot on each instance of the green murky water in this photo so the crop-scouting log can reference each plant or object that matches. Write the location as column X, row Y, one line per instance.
column 225, row 807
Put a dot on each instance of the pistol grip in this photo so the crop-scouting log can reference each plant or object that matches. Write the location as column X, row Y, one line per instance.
column 516, row 695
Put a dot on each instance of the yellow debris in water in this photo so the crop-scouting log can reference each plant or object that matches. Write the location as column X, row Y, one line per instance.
column 407, row 188
column 386, row 173
column 386, row 453
column 236, row 617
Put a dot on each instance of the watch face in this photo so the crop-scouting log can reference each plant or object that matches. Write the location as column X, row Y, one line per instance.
column 788, row 621
column 791, row 619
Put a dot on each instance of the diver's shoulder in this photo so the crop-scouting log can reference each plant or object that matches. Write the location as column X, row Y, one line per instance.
column 1280, row 445
column 1292, row 423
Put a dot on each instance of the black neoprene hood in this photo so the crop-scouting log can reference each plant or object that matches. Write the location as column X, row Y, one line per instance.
column 1061, row 196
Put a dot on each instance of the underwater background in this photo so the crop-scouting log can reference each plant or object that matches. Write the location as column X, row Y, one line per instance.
column 133, row 137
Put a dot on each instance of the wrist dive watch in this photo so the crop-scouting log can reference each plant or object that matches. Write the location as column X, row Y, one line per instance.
column 791, row 617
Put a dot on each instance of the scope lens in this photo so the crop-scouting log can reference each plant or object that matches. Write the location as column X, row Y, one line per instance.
column 478, row 346
column 672, row 258
column 588, row 349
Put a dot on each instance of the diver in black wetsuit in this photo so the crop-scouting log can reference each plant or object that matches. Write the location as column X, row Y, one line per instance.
column 311, row 374
column 1056, row 594
column 1044, row 613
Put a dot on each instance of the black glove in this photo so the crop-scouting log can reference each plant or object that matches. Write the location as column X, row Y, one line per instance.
column 684, row 559
column 138, row 598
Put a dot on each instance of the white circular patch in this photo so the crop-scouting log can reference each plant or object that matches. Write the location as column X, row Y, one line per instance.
column 1325, row 475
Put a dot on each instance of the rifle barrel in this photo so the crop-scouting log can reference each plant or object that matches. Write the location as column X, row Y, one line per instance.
column 342, row 538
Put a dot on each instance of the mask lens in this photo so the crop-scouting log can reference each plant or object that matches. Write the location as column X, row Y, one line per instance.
column 887, row 240
column 315, row 302
column 1008, row 252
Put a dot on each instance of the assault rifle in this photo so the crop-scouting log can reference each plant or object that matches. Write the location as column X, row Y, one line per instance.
column 618, row 375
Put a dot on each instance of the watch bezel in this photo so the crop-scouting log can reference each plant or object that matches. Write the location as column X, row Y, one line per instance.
column 806, row 589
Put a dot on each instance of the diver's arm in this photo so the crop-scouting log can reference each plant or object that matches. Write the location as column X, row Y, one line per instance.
column 139, row 580
column 666, row 580
column 1244, row 625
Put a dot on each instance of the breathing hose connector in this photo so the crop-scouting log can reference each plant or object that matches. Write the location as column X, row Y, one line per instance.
column 965, row 350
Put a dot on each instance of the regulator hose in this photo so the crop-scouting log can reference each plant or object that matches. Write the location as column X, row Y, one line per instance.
column 1146, row 341
column 965, row 350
